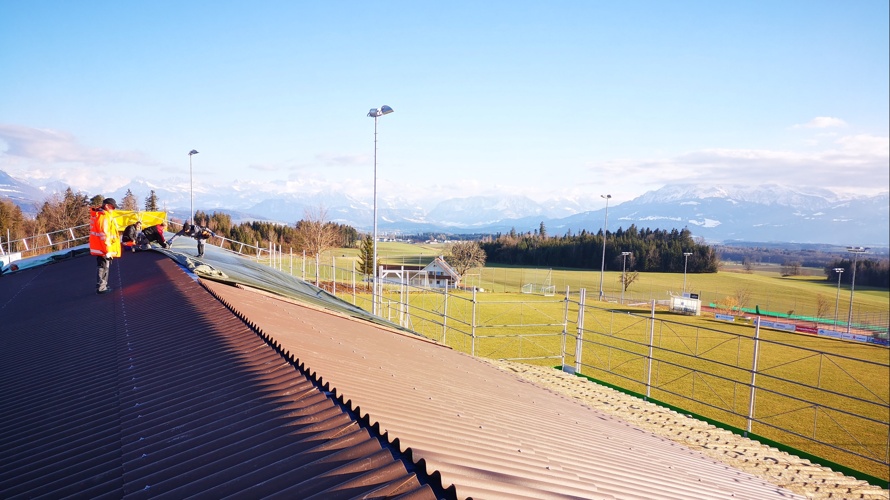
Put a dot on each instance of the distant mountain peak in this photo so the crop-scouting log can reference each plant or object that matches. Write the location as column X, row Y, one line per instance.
column 719, row 212
column 764, row 194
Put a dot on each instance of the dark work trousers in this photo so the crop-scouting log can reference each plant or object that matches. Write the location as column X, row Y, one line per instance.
column 102, row 274
column 200, row 247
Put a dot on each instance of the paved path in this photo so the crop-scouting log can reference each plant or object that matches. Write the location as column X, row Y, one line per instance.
column 782, row 469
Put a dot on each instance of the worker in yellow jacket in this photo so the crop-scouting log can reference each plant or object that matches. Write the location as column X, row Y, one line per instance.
column 105, row 243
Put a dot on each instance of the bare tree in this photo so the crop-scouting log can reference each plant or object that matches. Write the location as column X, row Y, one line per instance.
column 315, row 233
column 728, row 305
column 742, row 296
column 791, row 268
column 626, row 279
column 465, row 255
column 823, row 306
column 64, row 211
column 12, row 221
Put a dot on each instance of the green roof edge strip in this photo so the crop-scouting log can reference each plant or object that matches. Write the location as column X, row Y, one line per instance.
column 874, row 481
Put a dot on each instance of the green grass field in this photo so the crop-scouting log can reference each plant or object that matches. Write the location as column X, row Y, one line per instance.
column 808, row 295
column 811, row 389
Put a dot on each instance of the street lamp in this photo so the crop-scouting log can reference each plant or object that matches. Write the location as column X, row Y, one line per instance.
column 605, row 228
column 685, row 262
column 376, row 113
column 855, row 251
column 837, row 298
column 191, row 185
column 623, row 274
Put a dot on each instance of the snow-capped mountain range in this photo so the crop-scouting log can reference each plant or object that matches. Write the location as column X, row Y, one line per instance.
column 719, row 214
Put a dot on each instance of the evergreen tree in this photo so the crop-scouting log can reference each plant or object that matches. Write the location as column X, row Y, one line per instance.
column 151, row 202
column 366, row 255
column 129, row 201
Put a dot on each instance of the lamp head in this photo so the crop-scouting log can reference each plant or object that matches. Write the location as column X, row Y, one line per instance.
column 193, row 152
column 382, row 110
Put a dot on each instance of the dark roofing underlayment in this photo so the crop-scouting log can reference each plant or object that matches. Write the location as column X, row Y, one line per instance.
column 158, row 389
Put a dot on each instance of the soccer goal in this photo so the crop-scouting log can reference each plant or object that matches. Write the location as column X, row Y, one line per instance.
column 544, row 287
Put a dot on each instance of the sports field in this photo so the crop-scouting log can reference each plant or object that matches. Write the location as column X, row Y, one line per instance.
column 823, row 396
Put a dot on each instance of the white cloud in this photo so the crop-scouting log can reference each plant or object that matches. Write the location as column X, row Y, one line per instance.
column 51, row 146
column 822, row 122
column 853, row 164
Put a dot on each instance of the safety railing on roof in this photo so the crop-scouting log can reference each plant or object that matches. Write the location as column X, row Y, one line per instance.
column 47, row 242
column 42, row 243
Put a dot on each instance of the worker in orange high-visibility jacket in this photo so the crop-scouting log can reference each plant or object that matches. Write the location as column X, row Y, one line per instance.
column 105, row 243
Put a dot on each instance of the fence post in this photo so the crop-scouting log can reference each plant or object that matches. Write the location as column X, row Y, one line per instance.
column 407, row 304
column 402, row 298
column 473, row 326
column 353, row 281
column 445, row 314
column 565, row 328
column 334, row 275
column 753, row 375
column 317, row 269
column 303, row 266
column 651, row 344
column 579, row 339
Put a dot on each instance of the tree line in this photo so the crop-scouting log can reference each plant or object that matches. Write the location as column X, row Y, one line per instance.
column 869, row 272
column 313, row 234
column 650, row 250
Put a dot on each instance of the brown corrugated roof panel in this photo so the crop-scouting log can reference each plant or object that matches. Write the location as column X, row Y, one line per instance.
column 483, row 431
column 156, row 389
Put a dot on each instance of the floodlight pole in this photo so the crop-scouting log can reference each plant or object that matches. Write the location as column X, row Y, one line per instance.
column 191, row 186
column 376, row 113
column 685, row 262
column 855, row 251
column 623, row 274
column 837, row 298
column 605, row 228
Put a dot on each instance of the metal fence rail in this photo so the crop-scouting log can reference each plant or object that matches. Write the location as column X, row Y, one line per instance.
column 47, row 242
column 762, row 382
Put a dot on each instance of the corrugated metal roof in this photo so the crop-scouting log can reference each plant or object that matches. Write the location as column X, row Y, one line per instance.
column 484, row 432
column 157, row 390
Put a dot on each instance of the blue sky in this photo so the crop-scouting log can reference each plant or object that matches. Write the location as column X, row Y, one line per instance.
column 544, row 99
